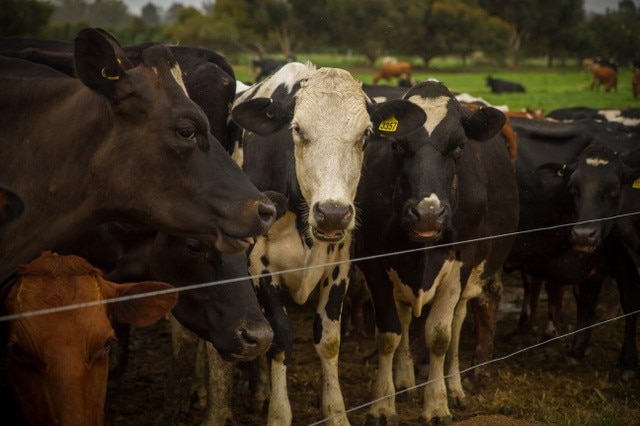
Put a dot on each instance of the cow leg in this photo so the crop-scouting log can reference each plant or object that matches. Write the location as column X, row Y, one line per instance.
column 219, row 389
column 532, row 287
column 586, row 294
column 403, row 371
column 326, row 337
column 555, row 293
column 259, row 383
column 438, row 337
column 387, row 338
column 628, row 282
column 485, row 307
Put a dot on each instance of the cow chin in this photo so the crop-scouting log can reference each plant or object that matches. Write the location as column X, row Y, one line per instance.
column 425, row 237
column 328, row 236
column 586, row 249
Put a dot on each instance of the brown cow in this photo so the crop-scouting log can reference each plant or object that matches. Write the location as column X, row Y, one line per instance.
column 605, row 76
column 635, row 83
column 58, row 362
column 392, row 68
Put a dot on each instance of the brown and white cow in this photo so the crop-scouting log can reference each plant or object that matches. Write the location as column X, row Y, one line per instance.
column 306, row 130
column 58, row 362
column 118, row 141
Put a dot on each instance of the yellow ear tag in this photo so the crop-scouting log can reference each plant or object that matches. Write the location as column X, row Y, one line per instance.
column 389, row 125
column 636, row 184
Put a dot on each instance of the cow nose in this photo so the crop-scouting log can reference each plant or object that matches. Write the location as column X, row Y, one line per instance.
column 332, row 216
column 255, row 338
column 584, row 235
column 427, row 217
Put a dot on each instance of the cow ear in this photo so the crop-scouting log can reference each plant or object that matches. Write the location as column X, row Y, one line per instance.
column 99, row 62
column 484, row 123
column 263, row 116
column 140, row 310
column 396, row 118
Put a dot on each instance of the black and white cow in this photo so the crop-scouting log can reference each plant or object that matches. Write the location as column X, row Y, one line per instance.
column 424, row 194
column 306, row 131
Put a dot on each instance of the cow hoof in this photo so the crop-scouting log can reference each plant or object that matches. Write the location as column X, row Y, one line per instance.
column 436, row 421
column 458, row 401
column 381, row 420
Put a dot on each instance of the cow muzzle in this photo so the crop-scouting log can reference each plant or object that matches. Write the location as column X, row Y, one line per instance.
column 585, row 239
column 425, row 222
column 253, row 339
column 331, row 220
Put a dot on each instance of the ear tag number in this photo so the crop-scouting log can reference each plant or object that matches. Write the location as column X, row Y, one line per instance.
column 636, row 184
column 389, row 125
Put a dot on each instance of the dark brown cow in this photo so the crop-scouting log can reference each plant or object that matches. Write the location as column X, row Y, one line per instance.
column 119, row 141
column 58, row 362
column 392, row 68
column 603, row 76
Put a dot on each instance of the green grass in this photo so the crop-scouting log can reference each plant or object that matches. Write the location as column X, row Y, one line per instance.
column 547, row 89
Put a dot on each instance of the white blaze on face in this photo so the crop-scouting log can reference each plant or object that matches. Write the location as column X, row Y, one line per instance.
column 176, row 72
column 436, row 109
column 332, row 117
column 430, row 202
column 595, row 162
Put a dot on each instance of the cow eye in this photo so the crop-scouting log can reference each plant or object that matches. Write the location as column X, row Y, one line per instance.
column 187, row 131
column 105, row 350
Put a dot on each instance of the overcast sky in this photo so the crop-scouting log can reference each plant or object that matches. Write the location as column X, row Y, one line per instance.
column 135, row 6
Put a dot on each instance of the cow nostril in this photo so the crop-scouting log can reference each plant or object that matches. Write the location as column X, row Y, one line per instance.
column 318, row 212
column 267, row 212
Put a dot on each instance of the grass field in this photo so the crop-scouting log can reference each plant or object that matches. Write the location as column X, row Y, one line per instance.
column 547, row 89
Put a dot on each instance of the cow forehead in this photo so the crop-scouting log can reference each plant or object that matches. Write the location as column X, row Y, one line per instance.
column 436, row 108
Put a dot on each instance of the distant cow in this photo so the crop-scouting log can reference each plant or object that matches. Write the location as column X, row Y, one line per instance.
column 264, row 67
column 504, row 86
column 603, row 75
column 58, row 362
column 393, row 68
column 305, row 134
column 114, row 116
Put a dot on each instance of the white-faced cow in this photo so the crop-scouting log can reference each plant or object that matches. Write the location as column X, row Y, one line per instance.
column 58, row 362
column 122, row 141
column 448, row 182
column 305, row 133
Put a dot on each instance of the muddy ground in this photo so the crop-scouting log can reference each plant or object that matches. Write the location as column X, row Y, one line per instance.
column 532, row 387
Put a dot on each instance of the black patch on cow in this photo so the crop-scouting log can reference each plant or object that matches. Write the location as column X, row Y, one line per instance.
column 330, row 248
column 340, row 246
column 335, row 273
column 325, row 282
column 317, row 329
column 334, row 304
column 264, row 260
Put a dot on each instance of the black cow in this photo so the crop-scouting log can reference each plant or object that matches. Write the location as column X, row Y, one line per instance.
column 306, row 131
column 504, row 86
column 104, row 120
column 630, row 117
column 552, row 194
column 423, row 194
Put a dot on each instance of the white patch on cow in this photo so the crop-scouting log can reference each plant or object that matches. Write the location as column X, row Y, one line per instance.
column 595, row 162
column 430, row 202
column 616, row 116
column 379, row 99
column 287, row 76
column 436, row 109
column 241, row 87
column 176, row 72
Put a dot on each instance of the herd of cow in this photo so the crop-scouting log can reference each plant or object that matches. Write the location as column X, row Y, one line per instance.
column 132, row 171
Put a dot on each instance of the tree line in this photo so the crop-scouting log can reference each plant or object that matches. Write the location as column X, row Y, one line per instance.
column 495, row 31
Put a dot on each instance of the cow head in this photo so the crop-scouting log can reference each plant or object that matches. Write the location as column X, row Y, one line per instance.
column 160, row 153
column 329, row 119
column 225, row 314
column 426, row 194
column 58, row 362
column 597, row 182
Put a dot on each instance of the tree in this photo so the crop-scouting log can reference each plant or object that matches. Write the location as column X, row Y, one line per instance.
column 615, row 33
column 24, row 17
column 150, row 14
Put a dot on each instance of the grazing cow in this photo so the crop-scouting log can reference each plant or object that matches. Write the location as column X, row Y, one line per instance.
column 450, row 181
column 264, row 67
column 58, row 362
column 603, row 75
column 306, row 129
column 103, row 121
column 504, row 86
column 392, row 68
column 549, row 196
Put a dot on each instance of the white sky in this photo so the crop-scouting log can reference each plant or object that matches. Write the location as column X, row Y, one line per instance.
column 135, row 6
